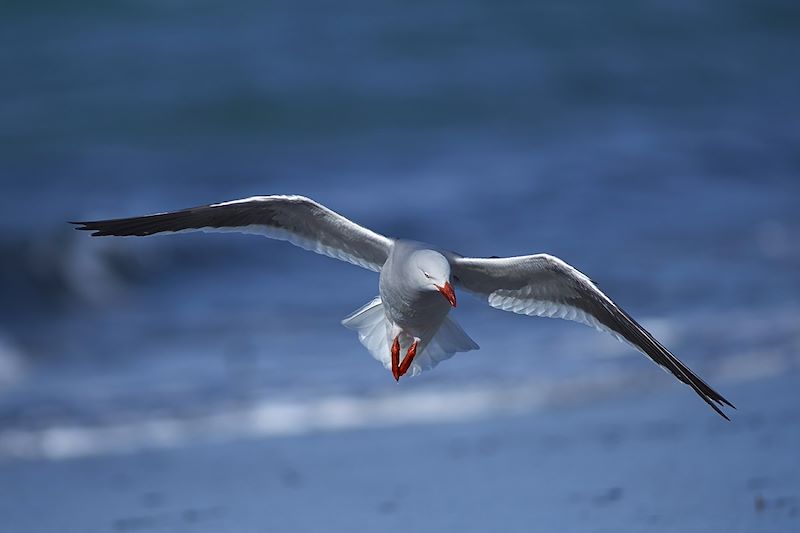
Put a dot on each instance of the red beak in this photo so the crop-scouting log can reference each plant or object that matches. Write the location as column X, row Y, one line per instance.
column 448, row 292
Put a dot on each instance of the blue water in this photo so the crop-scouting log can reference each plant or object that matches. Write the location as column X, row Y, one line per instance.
column 653, row 145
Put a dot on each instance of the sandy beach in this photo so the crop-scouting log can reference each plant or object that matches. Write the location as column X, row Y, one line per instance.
column 654, row 462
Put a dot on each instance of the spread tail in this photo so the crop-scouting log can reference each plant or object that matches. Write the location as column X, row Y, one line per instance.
column 373, row 331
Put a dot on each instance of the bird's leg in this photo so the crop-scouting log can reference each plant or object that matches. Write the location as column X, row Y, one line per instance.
column 396, row 358
column 409, row 358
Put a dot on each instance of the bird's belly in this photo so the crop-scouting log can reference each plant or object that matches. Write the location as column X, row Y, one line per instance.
column 417, row 315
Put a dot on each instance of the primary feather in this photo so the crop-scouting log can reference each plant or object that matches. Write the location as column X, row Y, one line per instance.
column 297, row 219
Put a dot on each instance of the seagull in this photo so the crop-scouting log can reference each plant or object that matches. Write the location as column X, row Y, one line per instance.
column 417, row 283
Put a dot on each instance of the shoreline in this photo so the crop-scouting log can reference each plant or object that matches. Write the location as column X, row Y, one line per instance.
column 629, row 462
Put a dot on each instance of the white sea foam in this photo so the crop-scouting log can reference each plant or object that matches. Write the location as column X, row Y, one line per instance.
column 270, row 419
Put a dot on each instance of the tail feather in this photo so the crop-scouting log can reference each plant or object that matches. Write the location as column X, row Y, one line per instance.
column 448, row 340
column 372, row 327
column 373, row 331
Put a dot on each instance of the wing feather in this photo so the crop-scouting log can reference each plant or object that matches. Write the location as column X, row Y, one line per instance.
column 296, row 219
column 543, row 285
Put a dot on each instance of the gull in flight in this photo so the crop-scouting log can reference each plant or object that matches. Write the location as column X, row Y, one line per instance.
column 417, row 283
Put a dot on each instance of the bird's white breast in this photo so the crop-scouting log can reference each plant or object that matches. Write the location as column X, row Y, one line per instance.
column 417, row 311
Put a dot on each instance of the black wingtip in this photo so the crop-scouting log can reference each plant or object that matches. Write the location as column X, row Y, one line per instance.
column 719, row 398
column 726, row 402
column 716, row 403
column 86, row 226
column 93, row 226
column 645, row 342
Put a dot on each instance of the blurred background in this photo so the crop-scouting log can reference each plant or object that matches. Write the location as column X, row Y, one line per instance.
column 203, row 382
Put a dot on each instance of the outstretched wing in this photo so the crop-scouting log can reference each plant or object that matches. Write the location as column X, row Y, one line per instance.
column 543, row 285
column 299, row 220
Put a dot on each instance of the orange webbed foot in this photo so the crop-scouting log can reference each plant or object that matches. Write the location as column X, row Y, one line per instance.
column 396, row 358
column 409, row 358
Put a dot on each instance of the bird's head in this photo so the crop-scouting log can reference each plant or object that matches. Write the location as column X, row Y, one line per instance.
column 431, row 272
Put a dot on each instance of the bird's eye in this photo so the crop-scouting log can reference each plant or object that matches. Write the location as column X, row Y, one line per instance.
column 426, row 274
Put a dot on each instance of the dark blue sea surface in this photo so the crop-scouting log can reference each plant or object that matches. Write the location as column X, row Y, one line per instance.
column 653, row 145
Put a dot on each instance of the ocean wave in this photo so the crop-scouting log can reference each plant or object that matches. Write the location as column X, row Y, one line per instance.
column 432, row 403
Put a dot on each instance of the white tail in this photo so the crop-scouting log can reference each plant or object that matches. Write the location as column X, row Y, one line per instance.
column 373, row 331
